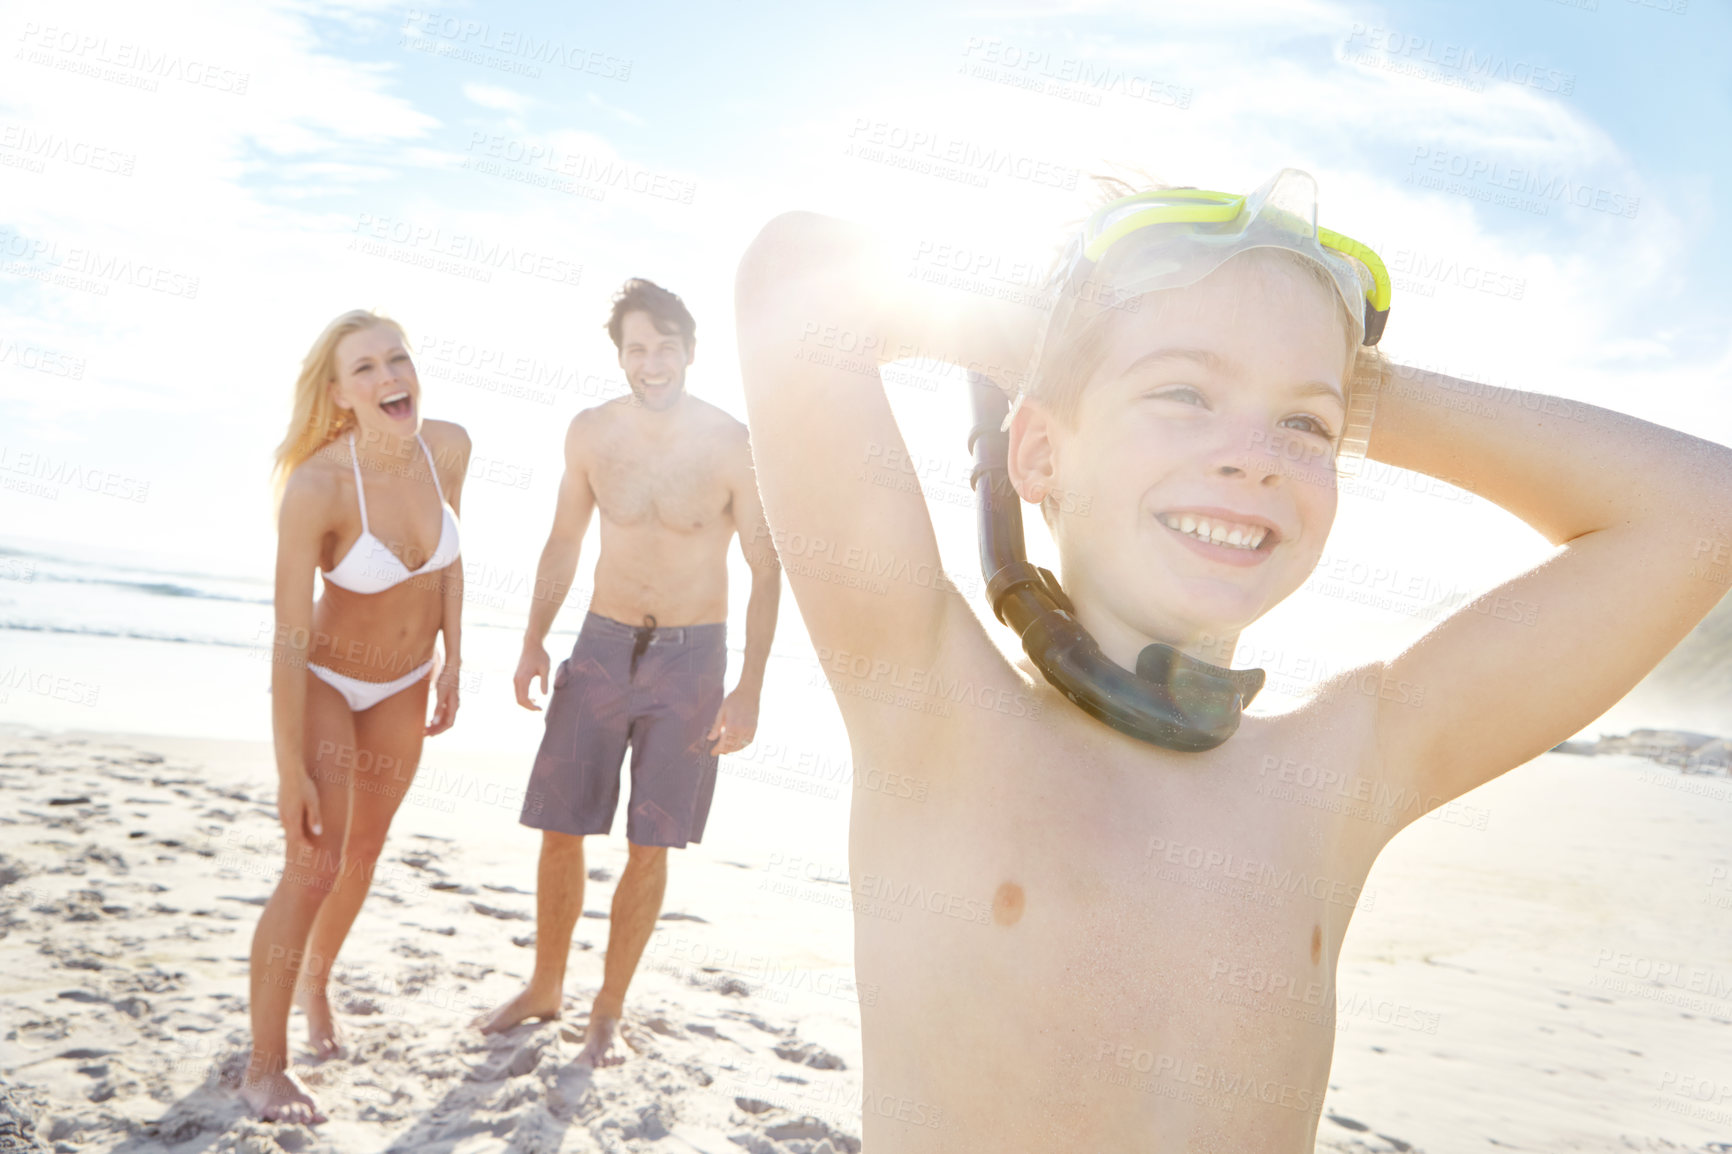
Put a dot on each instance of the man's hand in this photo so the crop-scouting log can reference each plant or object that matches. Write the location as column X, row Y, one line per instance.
column 534, row 663
column 736, row 723
column 445, row 703
column 298, row 808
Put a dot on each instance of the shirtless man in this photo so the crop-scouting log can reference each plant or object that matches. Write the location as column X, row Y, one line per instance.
column 672, row 476
column 1075, row 909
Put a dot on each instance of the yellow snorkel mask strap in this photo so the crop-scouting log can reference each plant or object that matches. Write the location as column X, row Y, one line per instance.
column 1219, row 225
column 1174, row 237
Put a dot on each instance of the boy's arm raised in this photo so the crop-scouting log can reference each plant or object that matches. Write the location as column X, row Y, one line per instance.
column 1638, row 509
column 818, row 309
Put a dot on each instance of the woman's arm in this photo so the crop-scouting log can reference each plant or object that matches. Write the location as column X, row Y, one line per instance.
column 300, row 526
column 456, row 448
column 1638, row 510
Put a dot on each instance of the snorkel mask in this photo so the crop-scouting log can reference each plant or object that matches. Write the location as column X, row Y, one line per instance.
column 1139, row 244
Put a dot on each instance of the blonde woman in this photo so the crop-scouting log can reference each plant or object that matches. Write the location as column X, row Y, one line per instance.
column 368, row 496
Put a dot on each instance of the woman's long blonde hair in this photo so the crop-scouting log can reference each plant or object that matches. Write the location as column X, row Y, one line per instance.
column 316, row 420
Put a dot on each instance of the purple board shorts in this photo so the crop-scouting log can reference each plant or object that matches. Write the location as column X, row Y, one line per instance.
column 656, row 690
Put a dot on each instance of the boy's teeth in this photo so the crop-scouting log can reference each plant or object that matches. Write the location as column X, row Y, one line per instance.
column 1217, row 532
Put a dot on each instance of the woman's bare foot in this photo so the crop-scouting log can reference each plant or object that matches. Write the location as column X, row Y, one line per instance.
column 530, row 1004
column 604, row 1043
column 323, row 1034
column 280, row 1097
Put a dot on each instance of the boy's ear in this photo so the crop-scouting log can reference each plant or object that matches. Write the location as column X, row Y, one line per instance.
column 1030, row 460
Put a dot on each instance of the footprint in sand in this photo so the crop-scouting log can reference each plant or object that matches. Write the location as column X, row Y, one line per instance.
column 807, row 1054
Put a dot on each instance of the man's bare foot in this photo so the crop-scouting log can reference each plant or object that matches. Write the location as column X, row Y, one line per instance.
column 604, row 1043
column 323, row 1034
column 530, row 1004
column 280, row 1097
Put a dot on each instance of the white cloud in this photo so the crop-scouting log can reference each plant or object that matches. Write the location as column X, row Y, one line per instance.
column 501, row 99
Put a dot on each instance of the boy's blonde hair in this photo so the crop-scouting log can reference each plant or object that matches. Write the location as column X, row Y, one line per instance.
column 1078, row 352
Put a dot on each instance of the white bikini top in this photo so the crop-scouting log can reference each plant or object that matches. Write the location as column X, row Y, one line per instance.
column 378, row 569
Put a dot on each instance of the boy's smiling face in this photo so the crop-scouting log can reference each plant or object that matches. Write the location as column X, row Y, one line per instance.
column 1205, row 440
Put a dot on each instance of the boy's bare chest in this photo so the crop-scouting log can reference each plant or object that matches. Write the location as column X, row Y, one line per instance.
column 1099, row 914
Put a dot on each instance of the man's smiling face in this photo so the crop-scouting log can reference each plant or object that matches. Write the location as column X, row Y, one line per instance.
column 655, row 362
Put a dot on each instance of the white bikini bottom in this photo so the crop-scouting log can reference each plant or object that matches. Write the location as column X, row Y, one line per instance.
column 366, row 694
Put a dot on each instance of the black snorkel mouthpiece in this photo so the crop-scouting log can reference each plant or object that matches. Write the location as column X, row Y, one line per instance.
column 1172, row 700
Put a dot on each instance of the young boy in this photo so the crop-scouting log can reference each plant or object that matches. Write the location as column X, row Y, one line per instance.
column 1069, row 977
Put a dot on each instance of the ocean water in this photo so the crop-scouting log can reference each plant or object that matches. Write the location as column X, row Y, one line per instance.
column 92, row 641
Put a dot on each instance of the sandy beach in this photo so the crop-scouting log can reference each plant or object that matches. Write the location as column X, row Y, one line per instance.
column 1544, row 965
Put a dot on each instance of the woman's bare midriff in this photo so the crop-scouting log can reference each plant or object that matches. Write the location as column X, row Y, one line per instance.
column 377, row 636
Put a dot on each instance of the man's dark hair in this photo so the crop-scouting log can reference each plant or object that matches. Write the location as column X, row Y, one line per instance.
column 666, row 311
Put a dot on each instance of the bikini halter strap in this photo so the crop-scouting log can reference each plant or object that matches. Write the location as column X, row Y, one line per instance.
column 360, row 493
column 437, row 487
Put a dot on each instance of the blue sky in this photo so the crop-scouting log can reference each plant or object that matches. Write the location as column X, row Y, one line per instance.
column 296, row 161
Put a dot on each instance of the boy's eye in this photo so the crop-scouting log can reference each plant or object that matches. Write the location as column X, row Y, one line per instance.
column 1183, row 394
column 1306, row 423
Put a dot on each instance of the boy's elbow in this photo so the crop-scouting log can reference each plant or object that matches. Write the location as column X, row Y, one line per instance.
column 785, row 251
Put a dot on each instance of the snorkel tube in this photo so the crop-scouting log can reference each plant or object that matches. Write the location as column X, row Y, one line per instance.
column 1160, row 239
column 1172, row 700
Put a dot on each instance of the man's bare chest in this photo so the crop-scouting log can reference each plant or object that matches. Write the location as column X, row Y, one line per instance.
column 635, row 487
